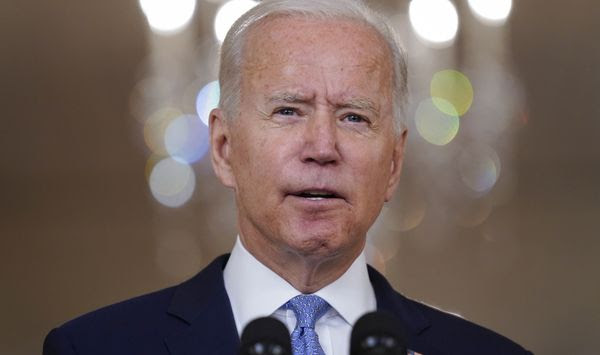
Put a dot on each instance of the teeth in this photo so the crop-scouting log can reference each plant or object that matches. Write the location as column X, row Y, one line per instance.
column 316, row 194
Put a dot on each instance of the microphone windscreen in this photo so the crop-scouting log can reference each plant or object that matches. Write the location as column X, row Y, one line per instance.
column 378, row 333
column 267, row 336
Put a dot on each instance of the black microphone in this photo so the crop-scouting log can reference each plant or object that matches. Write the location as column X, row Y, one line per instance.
column 265, row 336
column 378, row 333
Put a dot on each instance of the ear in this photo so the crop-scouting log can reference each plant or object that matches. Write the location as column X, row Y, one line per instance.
column 396, row 164
column 220, row 147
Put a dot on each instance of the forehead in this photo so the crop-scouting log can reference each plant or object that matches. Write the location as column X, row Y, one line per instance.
column 294, row 46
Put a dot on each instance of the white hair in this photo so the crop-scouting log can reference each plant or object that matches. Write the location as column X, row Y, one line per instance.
column 232, row 50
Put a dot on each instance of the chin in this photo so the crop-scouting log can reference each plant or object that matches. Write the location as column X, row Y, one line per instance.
column 319, row 242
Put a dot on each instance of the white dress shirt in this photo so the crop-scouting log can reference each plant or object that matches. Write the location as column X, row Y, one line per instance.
column 255, row 291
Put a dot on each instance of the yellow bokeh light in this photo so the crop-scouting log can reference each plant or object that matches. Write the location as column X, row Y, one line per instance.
column 437, row 126
column 451, row 86
column 150, row 163
column 155, row 128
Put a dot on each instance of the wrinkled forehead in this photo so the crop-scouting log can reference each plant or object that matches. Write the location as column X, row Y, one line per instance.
column 329, row 43
column 339, row 56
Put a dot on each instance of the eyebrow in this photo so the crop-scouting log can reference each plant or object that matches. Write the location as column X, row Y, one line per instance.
column 361, row 103
column 357, row 103
column 290, row 97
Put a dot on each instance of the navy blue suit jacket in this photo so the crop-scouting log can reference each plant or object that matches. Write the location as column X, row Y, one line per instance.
column 195, row 317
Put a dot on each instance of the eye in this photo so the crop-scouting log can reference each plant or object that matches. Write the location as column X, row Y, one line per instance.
column 354, row 118
column 286, row 111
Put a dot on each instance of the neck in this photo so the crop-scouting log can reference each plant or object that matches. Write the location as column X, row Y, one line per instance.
column 306, row 273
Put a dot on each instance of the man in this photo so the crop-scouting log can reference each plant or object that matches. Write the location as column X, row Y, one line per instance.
column 309, row 137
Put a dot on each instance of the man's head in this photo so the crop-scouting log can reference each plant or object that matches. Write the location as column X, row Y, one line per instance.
column 232, row 50
column 310, row 147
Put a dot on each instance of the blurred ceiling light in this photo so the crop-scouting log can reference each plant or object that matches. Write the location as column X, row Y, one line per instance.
column 228, row 13
column 186, row 139
column 454, row 87
column 437, row 126
column 491, row 12
column 168, row 16
column 207, row 99
column 172, row 183
column 434, row 21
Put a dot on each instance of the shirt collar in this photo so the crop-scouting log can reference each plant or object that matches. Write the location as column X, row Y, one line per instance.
column 351, row 295
column 255, row 291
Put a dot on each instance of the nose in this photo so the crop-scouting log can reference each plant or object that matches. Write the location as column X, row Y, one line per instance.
column 320, row 143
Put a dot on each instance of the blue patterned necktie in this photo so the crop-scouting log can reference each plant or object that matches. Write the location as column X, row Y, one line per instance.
column 307, row 308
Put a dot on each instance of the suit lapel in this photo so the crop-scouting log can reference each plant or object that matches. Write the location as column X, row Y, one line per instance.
column 203, row 304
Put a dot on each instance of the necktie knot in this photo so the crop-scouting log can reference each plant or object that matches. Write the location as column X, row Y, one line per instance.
column 307, row 308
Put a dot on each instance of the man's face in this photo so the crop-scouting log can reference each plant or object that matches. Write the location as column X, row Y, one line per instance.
column 312, row 155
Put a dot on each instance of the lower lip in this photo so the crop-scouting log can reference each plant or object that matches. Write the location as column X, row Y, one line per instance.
column 317, row 202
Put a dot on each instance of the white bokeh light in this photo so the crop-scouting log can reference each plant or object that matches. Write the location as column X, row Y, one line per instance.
column 168, row 16
column 172, row 183
column 187, row 139
column 228, row 14
column 491, row 12
column 479, row 167
column 207, row 100
column 434, row 21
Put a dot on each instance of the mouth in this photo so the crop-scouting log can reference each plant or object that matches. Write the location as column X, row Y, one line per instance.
column 317, row 194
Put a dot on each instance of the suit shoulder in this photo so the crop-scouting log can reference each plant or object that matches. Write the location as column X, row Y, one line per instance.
column 139, row 320
column 451, row 331
column 137, row 309
column 142, row 324
column 432, row 331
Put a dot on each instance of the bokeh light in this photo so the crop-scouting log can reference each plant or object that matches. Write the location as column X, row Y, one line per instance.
column 150, row 164
column 156, row 126
column 491, row 12
column 186, row 139
column 207, row 100
column 451, row 86
column 479, row 167
column 384, row 239
column 172, row 183
column 228, row 13
column 435, row 125
column 434, row 21
column 406, row 211
column 168, row 16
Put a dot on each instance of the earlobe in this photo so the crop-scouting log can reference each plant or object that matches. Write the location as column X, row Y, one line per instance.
column 220, row 148
column 396, row 165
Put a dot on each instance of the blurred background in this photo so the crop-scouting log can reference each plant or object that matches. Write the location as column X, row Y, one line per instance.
column 107, row 191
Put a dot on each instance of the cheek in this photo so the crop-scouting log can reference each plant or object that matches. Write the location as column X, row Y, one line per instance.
column 258, row 160
column 371, row 173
